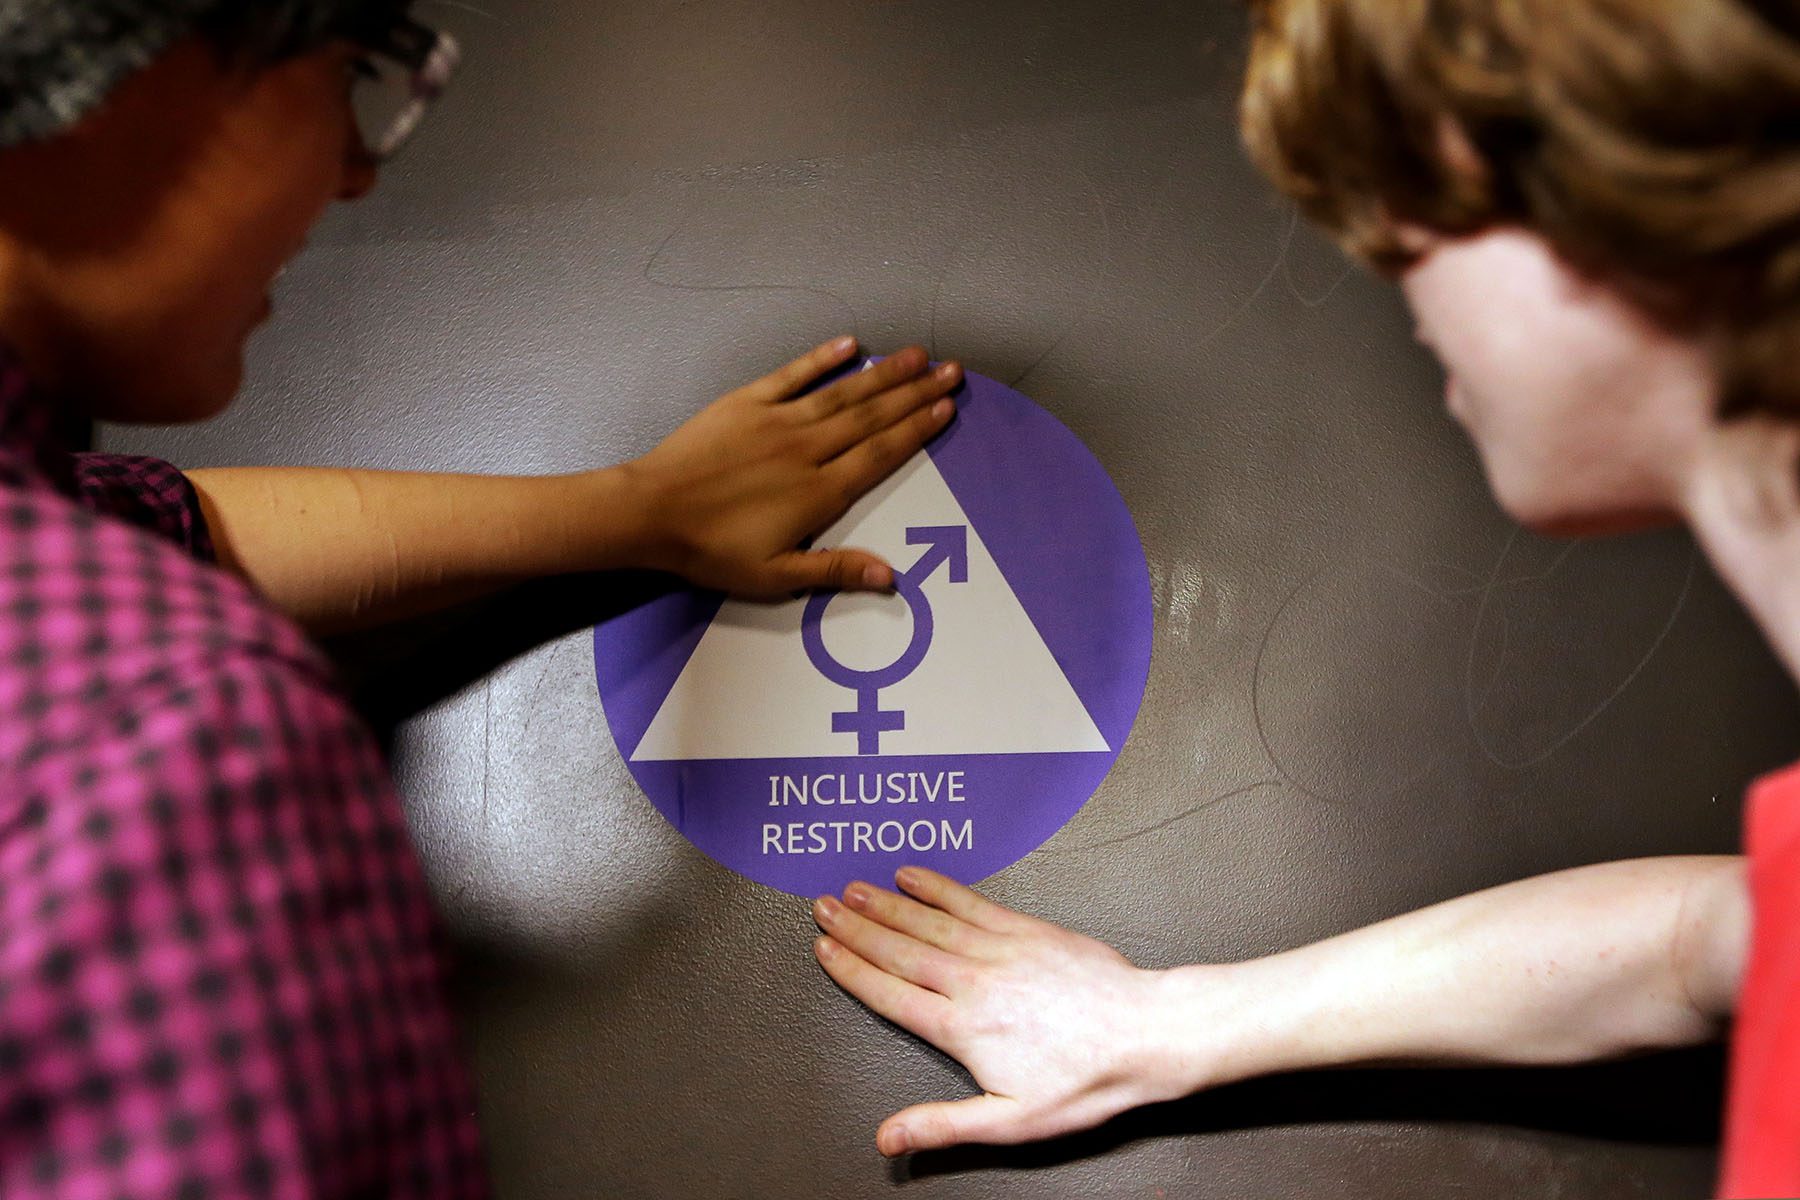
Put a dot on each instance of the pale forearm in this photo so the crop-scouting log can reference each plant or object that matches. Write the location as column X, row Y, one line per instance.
column 1061, row 1032
column 343, row 549
column 1580, row 965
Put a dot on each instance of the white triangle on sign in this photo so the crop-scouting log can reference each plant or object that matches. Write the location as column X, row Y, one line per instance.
column 987, row 684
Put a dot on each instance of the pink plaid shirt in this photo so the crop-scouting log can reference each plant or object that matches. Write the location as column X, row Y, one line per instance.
column 220, row 974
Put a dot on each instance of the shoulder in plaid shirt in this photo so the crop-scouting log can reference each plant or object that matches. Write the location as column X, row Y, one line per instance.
column 219, row 971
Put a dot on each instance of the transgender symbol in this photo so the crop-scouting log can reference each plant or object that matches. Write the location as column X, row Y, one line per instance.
column 868, row 721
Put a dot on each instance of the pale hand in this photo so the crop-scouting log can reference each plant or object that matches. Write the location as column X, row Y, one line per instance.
column 1059, row 1031
column 728, row 498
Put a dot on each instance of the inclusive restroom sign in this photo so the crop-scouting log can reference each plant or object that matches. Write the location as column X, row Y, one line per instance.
column 956, row 723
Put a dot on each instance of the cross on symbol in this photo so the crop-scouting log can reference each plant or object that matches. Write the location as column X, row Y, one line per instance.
column 944, row 545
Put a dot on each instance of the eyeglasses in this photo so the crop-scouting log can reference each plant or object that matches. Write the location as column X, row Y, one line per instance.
column 396, row 82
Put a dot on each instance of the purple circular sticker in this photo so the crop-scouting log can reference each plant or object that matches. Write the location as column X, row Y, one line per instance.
column 956, row 723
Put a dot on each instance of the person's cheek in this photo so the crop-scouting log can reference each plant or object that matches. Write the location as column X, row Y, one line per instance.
column 1435, row 325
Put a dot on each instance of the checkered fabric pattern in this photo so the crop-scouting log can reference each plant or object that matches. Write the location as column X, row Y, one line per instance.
column 219, row 971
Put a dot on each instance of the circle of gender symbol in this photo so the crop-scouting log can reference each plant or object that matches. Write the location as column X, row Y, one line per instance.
column 868, row 720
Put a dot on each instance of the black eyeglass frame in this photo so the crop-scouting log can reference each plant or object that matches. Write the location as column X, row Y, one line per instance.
column 431, row 56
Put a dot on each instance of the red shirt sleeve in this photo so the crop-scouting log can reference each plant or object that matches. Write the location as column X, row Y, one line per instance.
column 1762, row 1125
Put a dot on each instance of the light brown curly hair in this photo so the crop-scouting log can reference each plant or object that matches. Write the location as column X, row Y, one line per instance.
column 1655, row 142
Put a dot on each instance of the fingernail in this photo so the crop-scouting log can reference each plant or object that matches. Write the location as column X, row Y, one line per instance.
column 948, row 371
column 824, row 947
column 826, row 907
column 907, row 877
column 843, row 345
column 943, row 409
column 898, row 1142
column 856, row 895
column 874, row 577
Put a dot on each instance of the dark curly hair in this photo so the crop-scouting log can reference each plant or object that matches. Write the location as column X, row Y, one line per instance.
column 60, row 58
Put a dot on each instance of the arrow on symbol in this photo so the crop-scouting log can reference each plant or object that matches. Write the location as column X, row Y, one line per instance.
column 944, row 544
